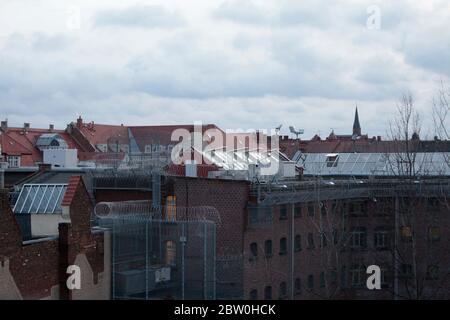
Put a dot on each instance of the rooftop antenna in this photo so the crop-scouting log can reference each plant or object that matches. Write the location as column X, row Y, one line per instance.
column 277, row 129
column 296, row 132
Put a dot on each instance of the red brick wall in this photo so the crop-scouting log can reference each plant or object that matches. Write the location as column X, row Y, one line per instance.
column 38, row 267
column 230, row 200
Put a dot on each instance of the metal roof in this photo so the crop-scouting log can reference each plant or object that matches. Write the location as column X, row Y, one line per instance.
column 40, row 198
column 51, row 140
column 366, row 164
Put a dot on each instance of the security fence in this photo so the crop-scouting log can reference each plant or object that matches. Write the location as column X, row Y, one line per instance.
column 161, row 252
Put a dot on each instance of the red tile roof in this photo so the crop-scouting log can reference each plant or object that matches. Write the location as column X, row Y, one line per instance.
column 148, row 135
column 17, row 141
column 100, row 133
column 74, row 182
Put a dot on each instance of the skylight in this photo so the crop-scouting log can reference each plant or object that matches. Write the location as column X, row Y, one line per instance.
column 40, row 198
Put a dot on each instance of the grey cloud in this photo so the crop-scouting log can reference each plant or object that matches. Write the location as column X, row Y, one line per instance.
column 428, row 48
column 43, row 42
column 139, row 16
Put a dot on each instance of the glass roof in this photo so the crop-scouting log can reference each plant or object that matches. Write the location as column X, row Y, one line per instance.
column 371, row 164
column 40, row 198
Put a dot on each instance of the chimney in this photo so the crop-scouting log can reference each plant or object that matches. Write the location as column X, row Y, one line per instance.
column 51, row 127
column 4, row 125
column 79, row 122
column 26, row 126
column 42, row 167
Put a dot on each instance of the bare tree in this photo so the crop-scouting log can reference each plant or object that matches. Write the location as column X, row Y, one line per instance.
column 418, row 252
column 404, row 132
column 441, row 117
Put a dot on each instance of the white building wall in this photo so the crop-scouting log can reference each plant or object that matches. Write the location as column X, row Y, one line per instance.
column 65, row 158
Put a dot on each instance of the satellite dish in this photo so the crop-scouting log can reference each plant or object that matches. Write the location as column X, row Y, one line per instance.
column 277, row 129
column 295, row 131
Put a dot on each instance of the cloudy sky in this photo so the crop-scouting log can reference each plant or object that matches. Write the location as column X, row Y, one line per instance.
column 237, row 63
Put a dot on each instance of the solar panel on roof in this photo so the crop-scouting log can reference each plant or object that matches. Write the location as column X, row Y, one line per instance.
column 40, row 198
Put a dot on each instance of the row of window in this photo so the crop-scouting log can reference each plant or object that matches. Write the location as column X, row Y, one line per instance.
column 357, row 208
column 352, row 208
column 268, row 246
column 358, row 239
column 357, row 276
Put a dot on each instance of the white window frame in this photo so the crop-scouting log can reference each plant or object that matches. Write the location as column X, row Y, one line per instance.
column 13, row 161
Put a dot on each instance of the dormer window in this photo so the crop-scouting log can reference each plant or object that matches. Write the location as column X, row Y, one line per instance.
column 332, row 160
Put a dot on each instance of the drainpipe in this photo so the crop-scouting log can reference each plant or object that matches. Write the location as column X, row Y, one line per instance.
column 396, row 240
column 2, row 176
column 292, row 231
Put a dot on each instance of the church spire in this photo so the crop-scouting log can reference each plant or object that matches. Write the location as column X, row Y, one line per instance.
column 356, row 125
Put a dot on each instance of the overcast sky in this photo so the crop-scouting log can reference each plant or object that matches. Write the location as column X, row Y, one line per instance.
column 237, row 63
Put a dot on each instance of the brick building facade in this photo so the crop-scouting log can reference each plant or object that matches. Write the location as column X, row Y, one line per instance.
column 320, row 248
column 36, row 269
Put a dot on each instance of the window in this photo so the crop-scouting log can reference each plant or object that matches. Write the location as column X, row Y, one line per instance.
column 323, row 240
column 268, row 248
column 323, row 209
column 344, row 277
column 298, row 243
column 406, row 270
column 148, row 149
column 335, row 237
column 283, row 290
column 384, row 277
column 310, row 241
column 311, row 210
column 283, row 246
column 381, row 238
column 358, row 238
column 268, row 293
column 357, row 208
column 253, row 294
column 253, row 250
column 357, row 275
column 406, row 233
column 297, row 211
column 13, row 161
column 433, row 203
column 311, row 282
column 298, row 286
column 171, row 253
column 322, row 280
column 434, row 234
column 171, row 208
column 332, row 160
column 433, row 272
column 333, row 276
column 283, row 212
column 334, row 207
